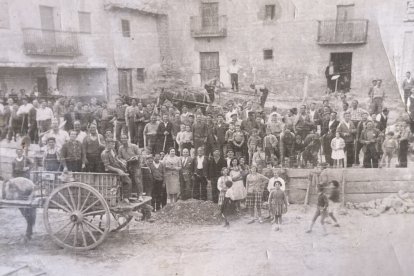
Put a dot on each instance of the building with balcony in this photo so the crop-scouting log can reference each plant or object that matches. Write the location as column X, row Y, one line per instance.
column 83, row 48
column 280, row 42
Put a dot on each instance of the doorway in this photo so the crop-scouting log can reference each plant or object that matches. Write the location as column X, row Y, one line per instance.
column 210, row 66
column 343, row 67
column 42, row 85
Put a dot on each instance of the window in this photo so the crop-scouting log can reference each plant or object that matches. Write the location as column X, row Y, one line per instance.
column 126, row 31
column 268, row 54
column 270, row 12
column 125, row 81
column 141, row 74
column 4, row 15
column 84, row 22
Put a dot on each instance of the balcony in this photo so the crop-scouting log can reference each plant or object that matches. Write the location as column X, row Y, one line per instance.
column 40, row 42
column 332, row 32
column 208, row 27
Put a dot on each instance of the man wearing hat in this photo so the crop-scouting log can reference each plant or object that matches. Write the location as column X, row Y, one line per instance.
column 113, row 164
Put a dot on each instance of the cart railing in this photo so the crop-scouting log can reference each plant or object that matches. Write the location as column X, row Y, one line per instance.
column 107, row 184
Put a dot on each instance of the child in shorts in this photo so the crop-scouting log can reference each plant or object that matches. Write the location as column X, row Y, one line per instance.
column 321, row 209
column 389, row 147
column 228, row 206
column 334, row 200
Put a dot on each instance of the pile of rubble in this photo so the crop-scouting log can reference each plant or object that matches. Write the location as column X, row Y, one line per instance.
column 191, row 211
column 400, row 203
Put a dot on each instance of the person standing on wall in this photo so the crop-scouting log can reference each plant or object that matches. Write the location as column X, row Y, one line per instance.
column 407, row 85
column 233, row 70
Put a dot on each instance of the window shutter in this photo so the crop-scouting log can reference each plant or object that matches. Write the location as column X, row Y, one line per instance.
column 278, row 10
column 261, row 15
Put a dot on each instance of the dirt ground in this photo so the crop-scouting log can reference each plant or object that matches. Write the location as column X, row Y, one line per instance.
column 361, row 246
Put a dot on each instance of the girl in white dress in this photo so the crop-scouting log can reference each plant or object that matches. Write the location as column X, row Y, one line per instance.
column 338, row 154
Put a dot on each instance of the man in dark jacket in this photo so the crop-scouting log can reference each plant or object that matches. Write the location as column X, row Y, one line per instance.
column 164, row 134
column 70, row 117
column 215, row 165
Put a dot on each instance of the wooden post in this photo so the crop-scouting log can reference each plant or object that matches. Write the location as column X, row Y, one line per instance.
column 343, row 188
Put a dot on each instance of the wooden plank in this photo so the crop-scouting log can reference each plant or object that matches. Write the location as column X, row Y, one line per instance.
column 379, row 187
column 380, row 174
column 358, row 198
column 298, row 173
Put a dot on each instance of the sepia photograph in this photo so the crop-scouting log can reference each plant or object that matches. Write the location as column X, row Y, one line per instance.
column 206, row 137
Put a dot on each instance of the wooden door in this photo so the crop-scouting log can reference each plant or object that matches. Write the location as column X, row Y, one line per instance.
column 47, row 19
column 345, row 12
column 344, row 23
column 47, row 23
column 42, row 85
column 209, row 16
column 210, row 66
column 125, row 81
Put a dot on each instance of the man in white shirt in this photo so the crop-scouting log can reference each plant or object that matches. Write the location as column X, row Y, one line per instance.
column 274, row 179
column 200, row 175
column 23, row 112
column 60, row 135
column 80, row 135
column 44, row 116
column 233, row 70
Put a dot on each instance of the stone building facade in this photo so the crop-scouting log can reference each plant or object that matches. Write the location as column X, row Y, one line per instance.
column 106, row 47
column 280, row 42
column 83, row 48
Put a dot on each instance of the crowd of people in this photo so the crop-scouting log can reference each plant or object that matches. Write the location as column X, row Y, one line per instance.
column 171, row 153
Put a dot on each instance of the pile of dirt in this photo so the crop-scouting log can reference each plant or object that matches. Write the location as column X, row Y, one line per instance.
column 400, row 203
column 192, row 211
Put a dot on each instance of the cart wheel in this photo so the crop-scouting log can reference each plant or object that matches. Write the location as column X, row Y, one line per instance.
column 121, row 220
column 70, row 216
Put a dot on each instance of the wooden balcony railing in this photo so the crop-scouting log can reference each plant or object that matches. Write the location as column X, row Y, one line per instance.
column 342, row 32
column 50, row 43
column 208, row 28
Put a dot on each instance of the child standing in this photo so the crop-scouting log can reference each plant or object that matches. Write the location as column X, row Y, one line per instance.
column 269, row 144
column 338, row 154
column 277, row 205
column 228, row 137
column 221, row 184
column 334, row 200
column 228, row 206
column 252, row 144
column 321, row 209
column 259, row 158
column 389, row 147
column 238, row 142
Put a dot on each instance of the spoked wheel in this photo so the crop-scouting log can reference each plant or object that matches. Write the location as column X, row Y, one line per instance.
column 70, row 217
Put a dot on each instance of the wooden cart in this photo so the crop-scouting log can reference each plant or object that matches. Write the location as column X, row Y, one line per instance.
column 79, row 215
